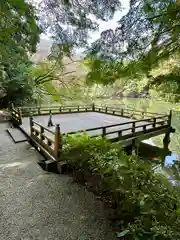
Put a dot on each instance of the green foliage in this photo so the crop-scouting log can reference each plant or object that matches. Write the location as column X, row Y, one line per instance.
column 55, row 14
column 19, row 35
column 146, row 37
column 147, row 203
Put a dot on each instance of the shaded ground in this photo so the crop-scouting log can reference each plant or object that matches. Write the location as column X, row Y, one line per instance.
column 43, row 206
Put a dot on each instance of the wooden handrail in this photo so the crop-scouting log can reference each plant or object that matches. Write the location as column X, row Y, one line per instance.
column 51, row 144
column 48, row 130
column 120, row 124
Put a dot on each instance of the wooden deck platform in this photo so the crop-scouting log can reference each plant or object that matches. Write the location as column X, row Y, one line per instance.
column 92, row 123
column 127, row 126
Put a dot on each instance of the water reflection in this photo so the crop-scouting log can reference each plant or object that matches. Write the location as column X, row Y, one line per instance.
column 170, row 160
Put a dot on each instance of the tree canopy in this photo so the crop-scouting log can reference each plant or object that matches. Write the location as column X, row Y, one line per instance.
column 19, row 34
column 70, row 21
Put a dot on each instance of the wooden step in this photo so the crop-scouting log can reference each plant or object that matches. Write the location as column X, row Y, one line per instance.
column 17, row 135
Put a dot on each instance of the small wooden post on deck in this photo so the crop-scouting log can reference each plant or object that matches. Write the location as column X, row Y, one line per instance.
column 122, row 112
column 50, row 123
column 57, row 142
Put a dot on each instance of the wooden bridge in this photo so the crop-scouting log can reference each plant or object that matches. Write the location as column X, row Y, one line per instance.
column 127, row 126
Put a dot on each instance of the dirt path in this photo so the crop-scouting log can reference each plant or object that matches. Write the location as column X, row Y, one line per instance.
column 35, row 205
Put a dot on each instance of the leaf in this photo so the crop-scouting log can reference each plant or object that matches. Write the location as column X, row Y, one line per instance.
column 123, row 233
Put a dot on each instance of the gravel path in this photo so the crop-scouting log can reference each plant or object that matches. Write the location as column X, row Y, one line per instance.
column 35, row 205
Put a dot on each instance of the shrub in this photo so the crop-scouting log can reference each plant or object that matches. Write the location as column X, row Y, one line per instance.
column 147, row 203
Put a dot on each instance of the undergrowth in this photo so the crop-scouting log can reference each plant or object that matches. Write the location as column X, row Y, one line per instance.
column 147, row 203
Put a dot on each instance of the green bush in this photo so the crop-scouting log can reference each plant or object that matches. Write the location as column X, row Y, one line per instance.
column 147, row 203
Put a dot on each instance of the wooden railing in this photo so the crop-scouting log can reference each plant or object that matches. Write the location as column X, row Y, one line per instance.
column 130, row 129
column 117, row 111
column 16, row 116
column 126, row 112
column 35, row 111
column 49, row 140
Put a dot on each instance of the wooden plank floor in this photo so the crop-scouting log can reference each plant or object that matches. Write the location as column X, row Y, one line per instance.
column 81, row 121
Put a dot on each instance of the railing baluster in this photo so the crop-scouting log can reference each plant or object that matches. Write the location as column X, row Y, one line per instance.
column 154, row 122
column 93, row 107
column 42, row 131
column 103, row 131
column 122, row 112
column 119, row 134
column 133, row 128
column 144, row 128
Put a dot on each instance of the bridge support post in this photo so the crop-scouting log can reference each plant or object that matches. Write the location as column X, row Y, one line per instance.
column 135, row 147
column 166, row 142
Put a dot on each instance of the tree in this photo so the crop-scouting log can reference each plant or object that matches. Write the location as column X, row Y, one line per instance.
column 145, row 37
column 70, row 21
column 19, row 34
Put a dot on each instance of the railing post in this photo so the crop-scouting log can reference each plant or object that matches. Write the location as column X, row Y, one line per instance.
column 59, row 109
column 106, row 110
column 31, row 124
column 144, row 128
column 142, row 114
column 119, row 134
column 20, row 116
column 122, row 112
column 133, row 128
column 170, row 118
column 41, row 132
column 154, row 122
column 93, row 107
column 104, row 132
column 39, row 111
column 57, row 142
